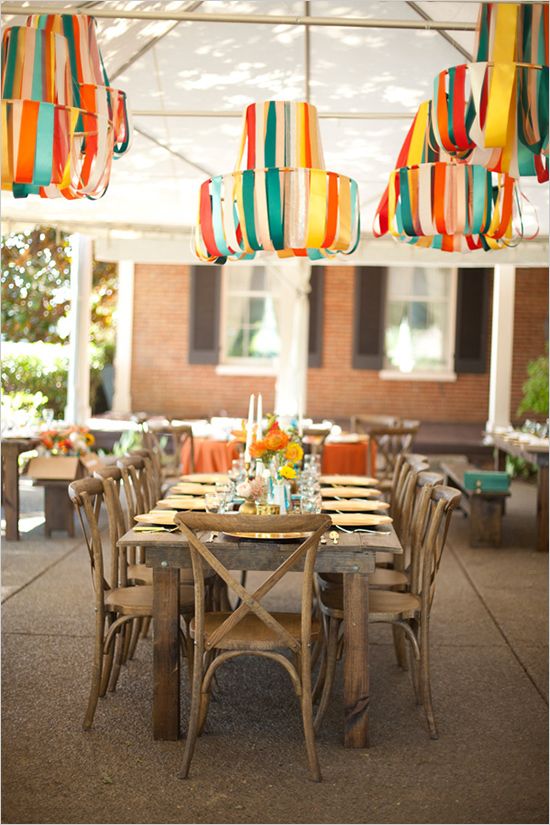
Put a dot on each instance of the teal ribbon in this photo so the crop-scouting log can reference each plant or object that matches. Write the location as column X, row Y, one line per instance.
column 271, row 135
column 37, row 75
column 274, row 208
column 10, row 60
column 43, row 157
column 217, row 221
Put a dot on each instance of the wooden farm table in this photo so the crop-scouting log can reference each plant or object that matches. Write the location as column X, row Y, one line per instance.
column 11, row 448
column 533, row 455
column 354, row 556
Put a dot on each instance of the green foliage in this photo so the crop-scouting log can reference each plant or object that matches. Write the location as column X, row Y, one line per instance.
column 535, row 389
column 518, row 468
column 36, row 289
column 33, row 374
column 128, row 441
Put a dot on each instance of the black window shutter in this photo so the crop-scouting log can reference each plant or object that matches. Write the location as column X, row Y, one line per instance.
column 472, row 318
column 370, row 317
column 204, row 314
column 316, row 310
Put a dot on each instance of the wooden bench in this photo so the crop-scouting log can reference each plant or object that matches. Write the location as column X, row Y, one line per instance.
column 484, row 508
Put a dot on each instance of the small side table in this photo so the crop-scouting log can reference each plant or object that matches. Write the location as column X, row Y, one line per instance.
column 58, row 509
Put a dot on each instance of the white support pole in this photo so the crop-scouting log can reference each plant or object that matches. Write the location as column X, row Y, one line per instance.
column 78, row 408
column 502, row 342
column 291, row 386
column 122, row 398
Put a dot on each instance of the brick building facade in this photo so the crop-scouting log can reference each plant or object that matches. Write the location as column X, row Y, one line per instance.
column 172, row 386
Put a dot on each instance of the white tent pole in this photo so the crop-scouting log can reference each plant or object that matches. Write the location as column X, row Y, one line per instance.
column 502, row 344
column 122, row 398
column 254, row 19
column 78, row 408
column 291, row 385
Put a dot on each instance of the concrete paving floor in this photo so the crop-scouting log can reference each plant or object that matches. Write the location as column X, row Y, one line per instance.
column 489, row 676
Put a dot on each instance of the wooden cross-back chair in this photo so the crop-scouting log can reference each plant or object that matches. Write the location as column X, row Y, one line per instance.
column 117, row 604
column 392, row 436
column 408, row 611
column 317, row 437
column 251, row 629
column 150, row 476
column 176, row 434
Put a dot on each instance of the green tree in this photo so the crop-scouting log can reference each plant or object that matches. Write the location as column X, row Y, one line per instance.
column 35, row 284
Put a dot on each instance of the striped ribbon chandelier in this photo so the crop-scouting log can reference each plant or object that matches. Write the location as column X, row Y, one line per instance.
column 283, row 201
column 456, row 182
column 62, row 122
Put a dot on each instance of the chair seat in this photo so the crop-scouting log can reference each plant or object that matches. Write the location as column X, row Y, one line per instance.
column 252, row 634
column 138, row 601
column 382, row 577
column 384, row 605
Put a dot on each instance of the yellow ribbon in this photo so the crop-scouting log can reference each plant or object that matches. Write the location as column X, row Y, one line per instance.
column 316, row 218
column 502, row 76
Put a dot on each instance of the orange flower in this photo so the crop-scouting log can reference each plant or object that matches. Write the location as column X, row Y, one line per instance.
column 276, row 440
column 257, row 449
column 294, row 453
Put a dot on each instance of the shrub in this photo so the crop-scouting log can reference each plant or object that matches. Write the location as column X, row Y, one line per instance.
column 535, row 389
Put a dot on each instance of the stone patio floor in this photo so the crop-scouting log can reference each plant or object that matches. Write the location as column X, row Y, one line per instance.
column 490, row 687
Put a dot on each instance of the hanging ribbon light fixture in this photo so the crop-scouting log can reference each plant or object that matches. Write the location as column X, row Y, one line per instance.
column 283, row 201
column 434, row 201
column 62, row 122
column 494, row 112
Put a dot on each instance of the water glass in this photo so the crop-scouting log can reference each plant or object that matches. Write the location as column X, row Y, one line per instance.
column 212, row 503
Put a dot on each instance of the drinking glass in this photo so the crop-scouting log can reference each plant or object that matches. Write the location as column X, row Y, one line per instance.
column 212, row 503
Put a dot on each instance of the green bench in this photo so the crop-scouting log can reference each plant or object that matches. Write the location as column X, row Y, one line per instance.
column 484, row 497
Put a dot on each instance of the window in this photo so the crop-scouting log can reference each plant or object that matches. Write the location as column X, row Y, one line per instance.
column 420, row 321
column 249, row 328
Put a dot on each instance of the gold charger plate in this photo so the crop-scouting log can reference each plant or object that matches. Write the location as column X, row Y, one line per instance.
column 350, row 492
column 182, row 503
column 161, row 517
column 354, row 481
column 205, row 478
column 359, row 519
column 268, row 536
column 353, row 506
column 193, row 489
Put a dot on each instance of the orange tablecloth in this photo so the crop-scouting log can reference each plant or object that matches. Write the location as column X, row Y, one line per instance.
column 350, row 459
column 210, row 456
column 216, row 457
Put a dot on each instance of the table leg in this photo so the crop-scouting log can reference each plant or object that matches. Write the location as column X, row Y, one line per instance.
column 356, row 663
column 10, row 468
column 542, row 509
column 166, row 654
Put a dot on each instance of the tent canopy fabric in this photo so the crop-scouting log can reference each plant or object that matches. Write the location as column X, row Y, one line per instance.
column 218, row 67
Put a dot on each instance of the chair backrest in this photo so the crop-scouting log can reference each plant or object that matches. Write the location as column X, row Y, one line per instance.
column 135, row 484
column 150, row 476
column 176, row 435
column 363, row 422
column 406, row 471
column 191, row 524
column 317, row 438
column 390, row 441
column 87, row 498
column 429, row 535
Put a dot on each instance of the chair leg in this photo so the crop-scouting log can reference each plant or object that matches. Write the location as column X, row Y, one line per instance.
column 307, row 719
column 118, row 659
column 134, row 634
column 95, row 687
column 330, row 656
column 145, row 627
column 400, row 647
column 425, row 686
column 414, row 666
column 194, row 714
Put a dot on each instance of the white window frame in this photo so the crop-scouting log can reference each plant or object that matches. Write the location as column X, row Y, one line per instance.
column 231, row 365
column 446, row 374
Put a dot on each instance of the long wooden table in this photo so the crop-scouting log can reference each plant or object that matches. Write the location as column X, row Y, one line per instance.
column 538, row 456
column 354, row 556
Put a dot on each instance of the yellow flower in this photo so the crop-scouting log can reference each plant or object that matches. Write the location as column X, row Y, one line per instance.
column 89, row 439
column 294, row 453
column 287, row 471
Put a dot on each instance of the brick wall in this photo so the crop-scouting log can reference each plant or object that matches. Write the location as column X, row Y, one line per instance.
column 530, row 327
column 163, row 381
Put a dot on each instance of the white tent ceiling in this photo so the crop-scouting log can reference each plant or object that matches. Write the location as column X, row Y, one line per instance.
column 219, row 67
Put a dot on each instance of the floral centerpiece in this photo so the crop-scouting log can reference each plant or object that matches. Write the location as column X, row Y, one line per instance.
column 70, row 440
column 279, row 448
column 252, row 491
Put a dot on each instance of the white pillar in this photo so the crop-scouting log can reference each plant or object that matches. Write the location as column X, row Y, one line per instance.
column 502, row 342
column 78, row 408
column 293, row 290
column 122, row 398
